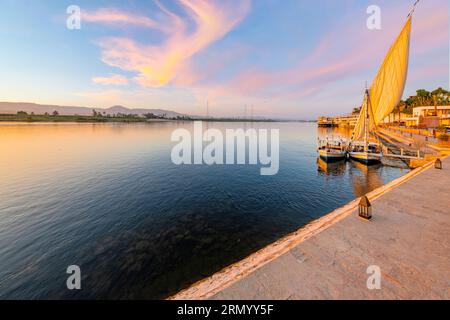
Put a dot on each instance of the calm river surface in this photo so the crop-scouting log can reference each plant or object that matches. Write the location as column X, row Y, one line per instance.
column 106, row 197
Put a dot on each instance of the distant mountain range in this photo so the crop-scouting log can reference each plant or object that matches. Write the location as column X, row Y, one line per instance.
column 14, row 107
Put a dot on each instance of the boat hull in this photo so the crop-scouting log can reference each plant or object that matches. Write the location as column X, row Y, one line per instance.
column 332, row 156
column 366, row 157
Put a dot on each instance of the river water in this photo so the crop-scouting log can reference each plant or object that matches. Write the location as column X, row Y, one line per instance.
column 107, row 198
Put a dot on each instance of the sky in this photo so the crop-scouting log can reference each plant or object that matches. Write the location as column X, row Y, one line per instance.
column 295, row 59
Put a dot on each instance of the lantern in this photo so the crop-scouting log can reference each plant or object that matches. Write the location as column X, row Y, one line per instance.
column 365, row 208
column 438, row 164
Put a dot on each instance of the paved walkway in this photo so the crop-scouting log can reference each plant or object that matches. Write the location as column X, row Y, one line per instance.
column 408, row 238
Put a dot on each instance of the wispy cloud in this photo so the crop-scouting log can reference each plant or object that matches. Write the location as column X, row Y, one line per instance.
column 307, row 77
column 158, row 65
column 115, row 80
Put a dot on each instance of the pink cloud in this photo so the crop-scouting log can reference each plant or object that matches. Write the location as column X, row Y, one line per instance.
column 160, row 65
column 115, row 79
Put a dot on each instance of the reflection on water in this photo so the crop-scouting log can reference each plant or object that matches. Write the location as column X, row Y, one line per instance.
column 107, row 197
column 331, row 168
column 364, row 178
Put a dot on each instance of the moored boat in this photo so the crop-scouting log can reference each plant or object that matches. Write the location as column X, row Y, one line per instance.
column 332, row 151
column 371, row 155
column 331, row 155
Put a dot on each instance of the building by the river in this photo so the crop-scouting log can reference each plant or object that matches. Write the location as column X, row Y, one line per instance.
column 429, row 117
column 342, row 121
column 422, row 117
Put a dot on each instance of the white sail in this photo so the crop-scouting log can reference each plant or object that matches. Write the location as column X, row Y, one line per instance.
column 387, row 87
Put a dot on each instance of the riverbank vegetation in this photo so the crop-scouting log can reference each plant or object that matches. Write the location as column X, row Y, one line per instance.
column 423, row 98
column 23, row 116
column 440, row 97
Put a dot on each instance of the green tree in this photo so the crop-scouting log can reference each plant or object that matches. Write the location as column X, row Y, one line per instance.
column 442, row 95
column 424, row 97
column 356, row 110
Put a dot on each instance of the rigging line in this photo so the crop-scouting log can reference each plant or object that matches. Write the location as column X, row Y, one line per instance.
column 413, row 8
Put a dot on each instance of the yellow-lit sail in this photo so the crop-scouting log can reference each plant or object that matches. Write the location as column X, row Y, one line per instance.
column 387, row 87
column 366, row 112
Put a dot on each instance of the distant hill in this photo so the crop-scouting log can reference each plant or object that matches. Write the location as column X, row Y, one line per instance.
column 14, row 107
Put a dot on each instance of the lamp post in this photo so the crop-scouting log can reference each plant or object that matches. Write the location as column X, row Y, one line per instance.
column 365, row 208
column 438, row 164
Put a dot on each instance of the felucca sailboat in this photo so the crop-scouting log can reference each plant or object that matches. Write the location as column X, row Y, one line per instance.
column 382, row 97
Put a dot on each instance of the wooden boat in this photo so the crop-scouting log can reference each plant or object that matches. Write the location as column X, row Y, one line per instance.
column 368, row 156
column 332, row 150
column 332, row 155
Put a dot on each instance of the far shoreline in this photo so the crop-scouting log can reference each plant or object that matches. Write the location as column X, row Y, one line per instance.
column 13, row 118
